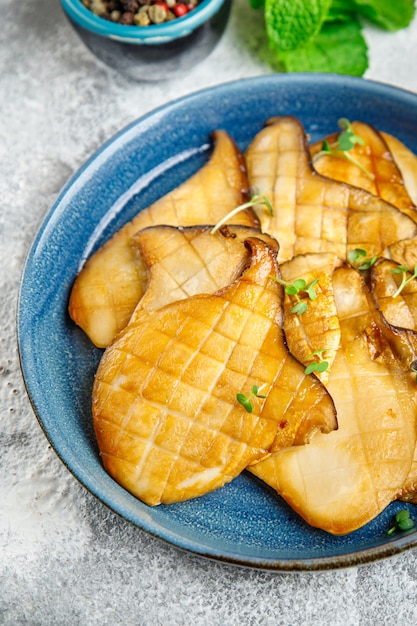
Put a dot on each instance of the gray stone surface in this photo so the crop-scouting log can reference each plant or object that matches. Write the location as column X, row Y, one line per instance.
column 64, row 558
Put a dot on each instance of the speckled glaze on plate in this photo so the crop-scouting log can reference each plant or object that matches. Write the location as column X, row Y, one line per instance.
column 244, row 523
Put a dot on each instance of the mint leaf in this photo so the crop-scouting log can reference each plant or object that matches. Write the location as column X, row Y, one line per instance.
column 326, row 35
column 292, row 23
column 339, row 48
column 387, row 13
column 341, row 10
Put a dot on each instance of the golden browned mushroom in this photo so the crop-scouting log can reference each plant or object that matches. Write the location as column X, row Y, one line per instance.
column 404, row 251
column 397, row 304
column 182, row 262
column 166, row 414
column 113, row 280
column 406, row 161
column 313, row 336
column 373, row 167
column 311, row 212
column 341, row 481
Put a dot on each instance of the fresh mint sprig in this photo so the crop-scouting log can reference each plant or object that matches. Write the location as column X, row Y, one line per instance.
column 326, row 35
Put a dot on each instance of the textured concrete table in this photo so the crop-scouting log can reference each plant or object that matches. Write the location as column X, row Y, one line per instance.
column 64, row 558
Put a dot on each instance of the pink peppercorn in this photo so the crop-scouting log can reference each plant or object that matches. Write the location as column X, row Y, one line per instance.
column 162, row 4
column 180, row 9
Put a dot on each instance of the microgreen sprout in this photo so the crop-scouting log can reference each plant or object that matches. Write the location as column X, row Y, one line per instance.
column 402, row 521
column 246, row 401
column 346, row 140
column 403, row 269
column 255, row 199
column 318, row 364
column 297, row 287
column 357, row 259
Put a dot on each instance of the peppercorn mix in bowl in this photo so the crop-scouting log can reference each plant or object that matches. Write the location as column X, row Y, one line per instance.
column 149, row 40
column 140, row 12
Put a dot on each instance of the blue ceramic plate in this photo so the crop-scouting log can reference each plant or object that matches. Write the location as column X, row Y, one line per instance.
column 244, row 523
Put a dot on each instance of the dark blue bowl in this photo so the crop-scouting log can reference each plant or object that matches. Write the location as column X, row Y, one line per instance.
column 156, row 52
column 245, row 522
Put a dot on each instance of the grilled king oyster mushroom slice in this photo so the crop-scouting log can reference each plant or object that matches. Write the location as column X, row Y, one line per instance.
column 182, row 262
column 406, row 160
column 374, row 168
column 340, row 482
column 408, row 352
column 406, row 348
column 399, row 311
column 166, row 415
column 314, row 335
column 113, row 279
column 404, row 252
column 311, row 212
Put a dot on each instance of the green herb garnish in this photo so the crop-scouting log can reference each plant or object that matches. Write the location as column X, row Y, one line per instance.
column 349, row 54
column 402, row 521
column 404, row 270
column 356, row 259
column 246, row 401
column 254, row 200
column 346, row 140
column 319, row 364
column 294, row 289
column 326, row 35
